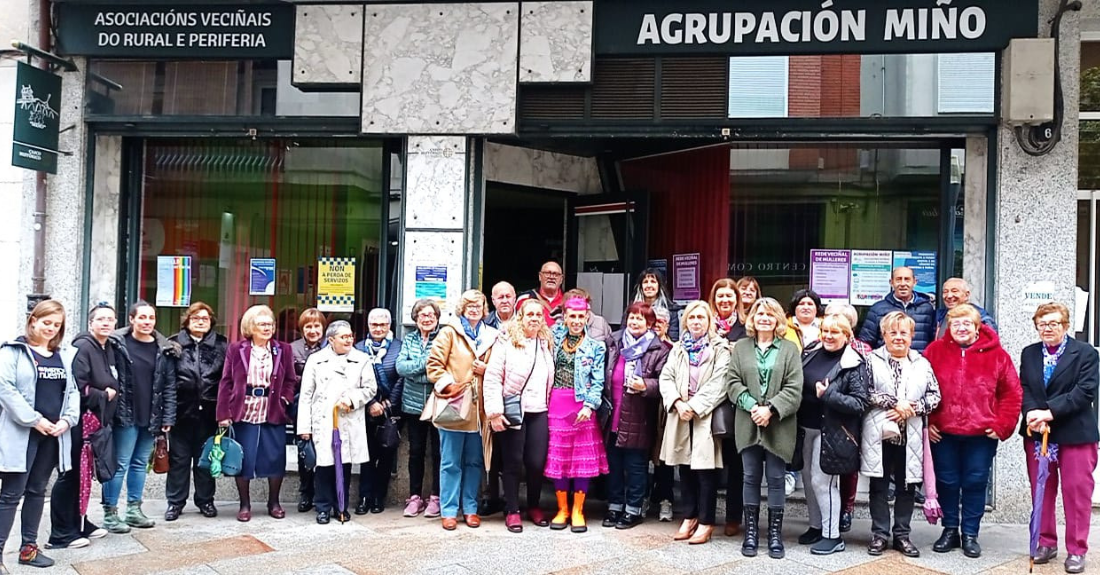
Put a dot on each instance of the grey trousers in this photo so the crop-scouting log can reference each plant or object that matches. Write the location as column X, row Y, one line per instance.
column 822, row 490
column 755, row 460
column 893, row 466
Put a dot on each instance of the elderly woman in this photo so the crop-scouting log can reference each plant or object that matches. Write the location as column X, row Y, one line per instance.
column 521, row 370
column 414, row 389
column 200, row 368
column 766, row 389
column 39, row 405
column 1059, row 379
column 257, row 385
column 382, row 350
column 311, row 324
column 146, row 408
column 651, row 289
column 980, row 404
column 634, row 363
column 903, row 391
column 748, row 290
column 457, row 361
column 849, row 482
column 95, row 369
column 337, row 378
column 576, row 452
column 834, row 397
column 804, row 323
column 692, row 385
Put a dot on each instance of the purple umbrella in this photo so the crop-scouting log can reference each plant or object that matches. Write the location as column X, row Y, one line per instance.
column 338, row 456
column 1045, row 454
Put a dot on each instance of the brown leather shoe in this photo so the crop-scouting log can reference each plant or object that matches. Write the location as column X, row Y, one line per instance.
column 450, row 523
column 472, row 521
column 877, row 547
column 702, row 535
column 687, row 529
column 244, row 515
column 1044, row 554
column 732, row 529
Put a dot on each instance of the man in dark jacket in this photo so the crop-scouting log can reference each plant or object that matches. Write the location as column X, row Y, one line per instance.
column 903, row 299
column 956, row 291
column 197, row 377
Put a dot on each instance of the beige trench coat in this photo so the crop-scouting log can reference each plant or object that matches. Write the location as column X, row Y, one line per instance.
column 327, row 379
column 678, row 446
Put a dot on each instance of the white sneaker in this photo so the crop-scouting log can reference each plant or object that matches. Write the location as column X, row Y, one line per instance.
column 98, row 534
column 789, row 484
column 665, row 513
column 80, row 543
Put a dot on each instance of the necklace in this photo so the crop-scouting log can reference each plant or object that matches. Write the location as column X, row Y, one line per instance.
column 572, row 348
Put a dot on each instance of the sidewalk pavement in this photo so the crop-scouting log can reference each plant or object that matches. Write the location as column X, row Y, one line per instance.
column 391, row 544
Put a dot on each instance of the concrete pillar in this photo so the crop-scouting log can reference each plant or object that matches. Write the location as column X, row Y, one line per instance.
column 14, row 24
column 107, row 187
column 1035, row 219
column 975, row 186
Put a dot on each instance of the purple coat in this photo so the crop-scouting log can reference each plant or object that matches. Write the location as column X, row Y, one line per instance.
column 638, row 412
column 231, row 391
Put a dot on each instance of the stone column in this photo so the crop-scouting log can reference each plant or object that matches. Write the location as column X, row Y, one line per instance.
column 976, row 186
column 1036, row 219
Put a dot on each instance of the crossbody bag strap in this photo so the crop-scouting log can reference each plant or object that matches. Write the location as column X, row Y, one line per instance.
column 532, row 372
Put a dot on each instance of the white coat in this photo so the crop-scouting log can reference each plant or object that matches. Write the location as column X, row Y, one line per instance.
column 690, row 442
column 327, row 379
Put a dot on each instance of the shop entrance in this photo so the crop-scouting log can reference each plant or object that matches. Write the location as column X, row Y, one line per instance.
column 524, row 227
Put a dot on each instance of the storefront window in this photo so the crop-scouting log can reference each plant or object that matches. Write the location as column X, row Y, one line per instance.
column 227, row 203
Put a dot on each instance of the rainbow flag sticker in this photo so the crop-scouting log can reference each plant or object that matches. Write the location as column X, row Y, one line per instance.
column 173, row 281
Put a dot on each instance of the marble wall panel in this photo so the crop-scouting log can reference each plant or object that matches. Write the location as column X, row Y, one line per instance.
column 440, row 68
column 435, row 182
column 541, row 169
column 107, row 187
column 556, row 43
column 976, row 217
column 328, row 45
column 432, row 249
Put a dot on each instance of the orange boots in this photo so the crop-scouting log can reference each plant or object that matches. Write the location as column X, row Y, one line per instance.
column 561, row 520
column 579, row 525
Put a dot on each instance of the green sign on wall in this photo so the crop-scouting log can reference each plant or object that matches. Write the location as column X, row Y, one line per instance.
column 37, row 119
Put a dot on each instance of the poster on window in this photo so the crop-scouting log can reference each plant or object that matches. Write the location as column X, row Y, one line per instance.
column 830, row 274
column 923, row 265
column 173, row 281
column 686, row 281
column 336, row 284
column 261, row 278
column 431, row 282
column 870, row 271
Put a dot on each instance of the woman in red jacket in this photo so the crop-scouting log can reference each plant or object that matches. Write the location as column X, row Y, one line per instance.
column 981, row 404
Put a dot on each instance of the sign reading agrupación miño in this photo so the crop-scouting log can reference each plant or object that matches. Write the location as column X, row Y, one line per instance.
column 652, row 27
column 187, row 31
column 37, row 119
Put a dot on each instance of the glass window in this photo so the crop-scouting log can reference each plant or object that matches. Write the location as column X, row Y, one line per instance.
column 1090, row 76
column 758, row 87
column 225, row 202
column 965, row 83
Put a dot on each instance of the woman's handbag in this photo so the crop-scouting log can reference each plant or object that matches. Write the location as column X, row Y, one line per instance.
column 513, row 404
column 222, row 455
column 160, row 454
column 452, row 412
column 798, row 461
column 386, row 431
column 103, row 450
column 307, row 454
column 721, row 421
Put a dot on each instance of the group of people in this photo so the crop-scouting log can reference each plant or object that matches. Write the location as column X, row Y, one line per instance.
column 735, row 391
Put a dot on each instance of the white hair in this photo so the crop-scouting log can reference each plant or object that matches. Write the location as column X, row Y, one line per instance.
column 335, row 327
column 378, row 315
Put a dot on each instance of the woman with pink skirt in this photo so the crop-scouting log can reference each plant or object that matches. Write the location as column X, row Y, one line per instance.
column 576, row 453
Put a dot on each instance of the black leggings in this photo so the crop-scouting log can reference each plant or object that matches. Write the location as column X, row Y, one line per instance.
column 735, row 481
column 524, row 449
column 420, row 433
column 30, row 486
column 66, row 522
column 699, row 488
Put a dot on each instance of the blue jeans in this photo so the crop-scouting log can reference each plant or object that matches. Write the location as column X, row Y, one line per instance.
column 962, row 473
column 133, row 446
column 629, row 472
column 460, row 470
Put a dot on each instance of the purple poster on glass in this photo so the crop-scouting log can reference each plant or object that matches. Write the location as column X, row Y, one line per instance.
column 686, row 283
column 830, row 274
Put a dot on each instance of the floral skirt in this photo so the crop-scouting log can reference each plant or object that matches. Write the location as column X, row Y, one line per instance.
column 574, row 450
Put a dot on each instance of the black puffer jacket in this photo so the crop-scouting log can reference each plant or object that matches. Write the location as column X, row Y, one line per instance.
column 845, row 401
column 163, row 412
column 198, row 374
column 638, row 412
column 95, row 369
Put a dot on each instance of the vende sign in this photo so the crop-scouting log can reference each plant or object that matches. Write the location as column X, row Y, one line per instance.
column 651, row 27
column 214, row 31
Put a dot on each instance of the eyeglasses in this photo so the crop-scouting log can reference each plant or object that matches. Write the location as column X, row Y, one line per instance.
column 962, row 323
column 475, row 306
column 551, row 274
column 378, row 325
column 265, row 324
column 425, row 316
column 345, row 337
column 1045, row 325
column 200, row 318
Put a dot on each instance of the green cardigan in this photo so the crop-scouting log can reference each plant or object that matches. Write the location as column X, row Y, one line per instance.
column 784, row 394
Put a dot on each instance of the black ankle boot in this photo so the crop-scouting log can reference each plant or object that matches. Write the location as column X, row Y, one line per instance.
column 775, row 533
column 948, row 540
column 752, row 530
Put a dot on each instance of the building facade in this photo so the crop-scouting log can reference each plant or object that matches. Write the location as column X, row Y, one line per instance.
column 451, row 145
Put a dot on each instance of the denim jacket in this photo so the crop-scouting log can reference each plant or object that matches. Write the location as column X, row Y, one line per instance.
column 588, row 367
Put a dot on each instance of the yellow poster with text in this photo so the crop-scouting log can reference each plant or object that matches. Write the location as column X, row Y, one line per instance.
column 336, row 284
